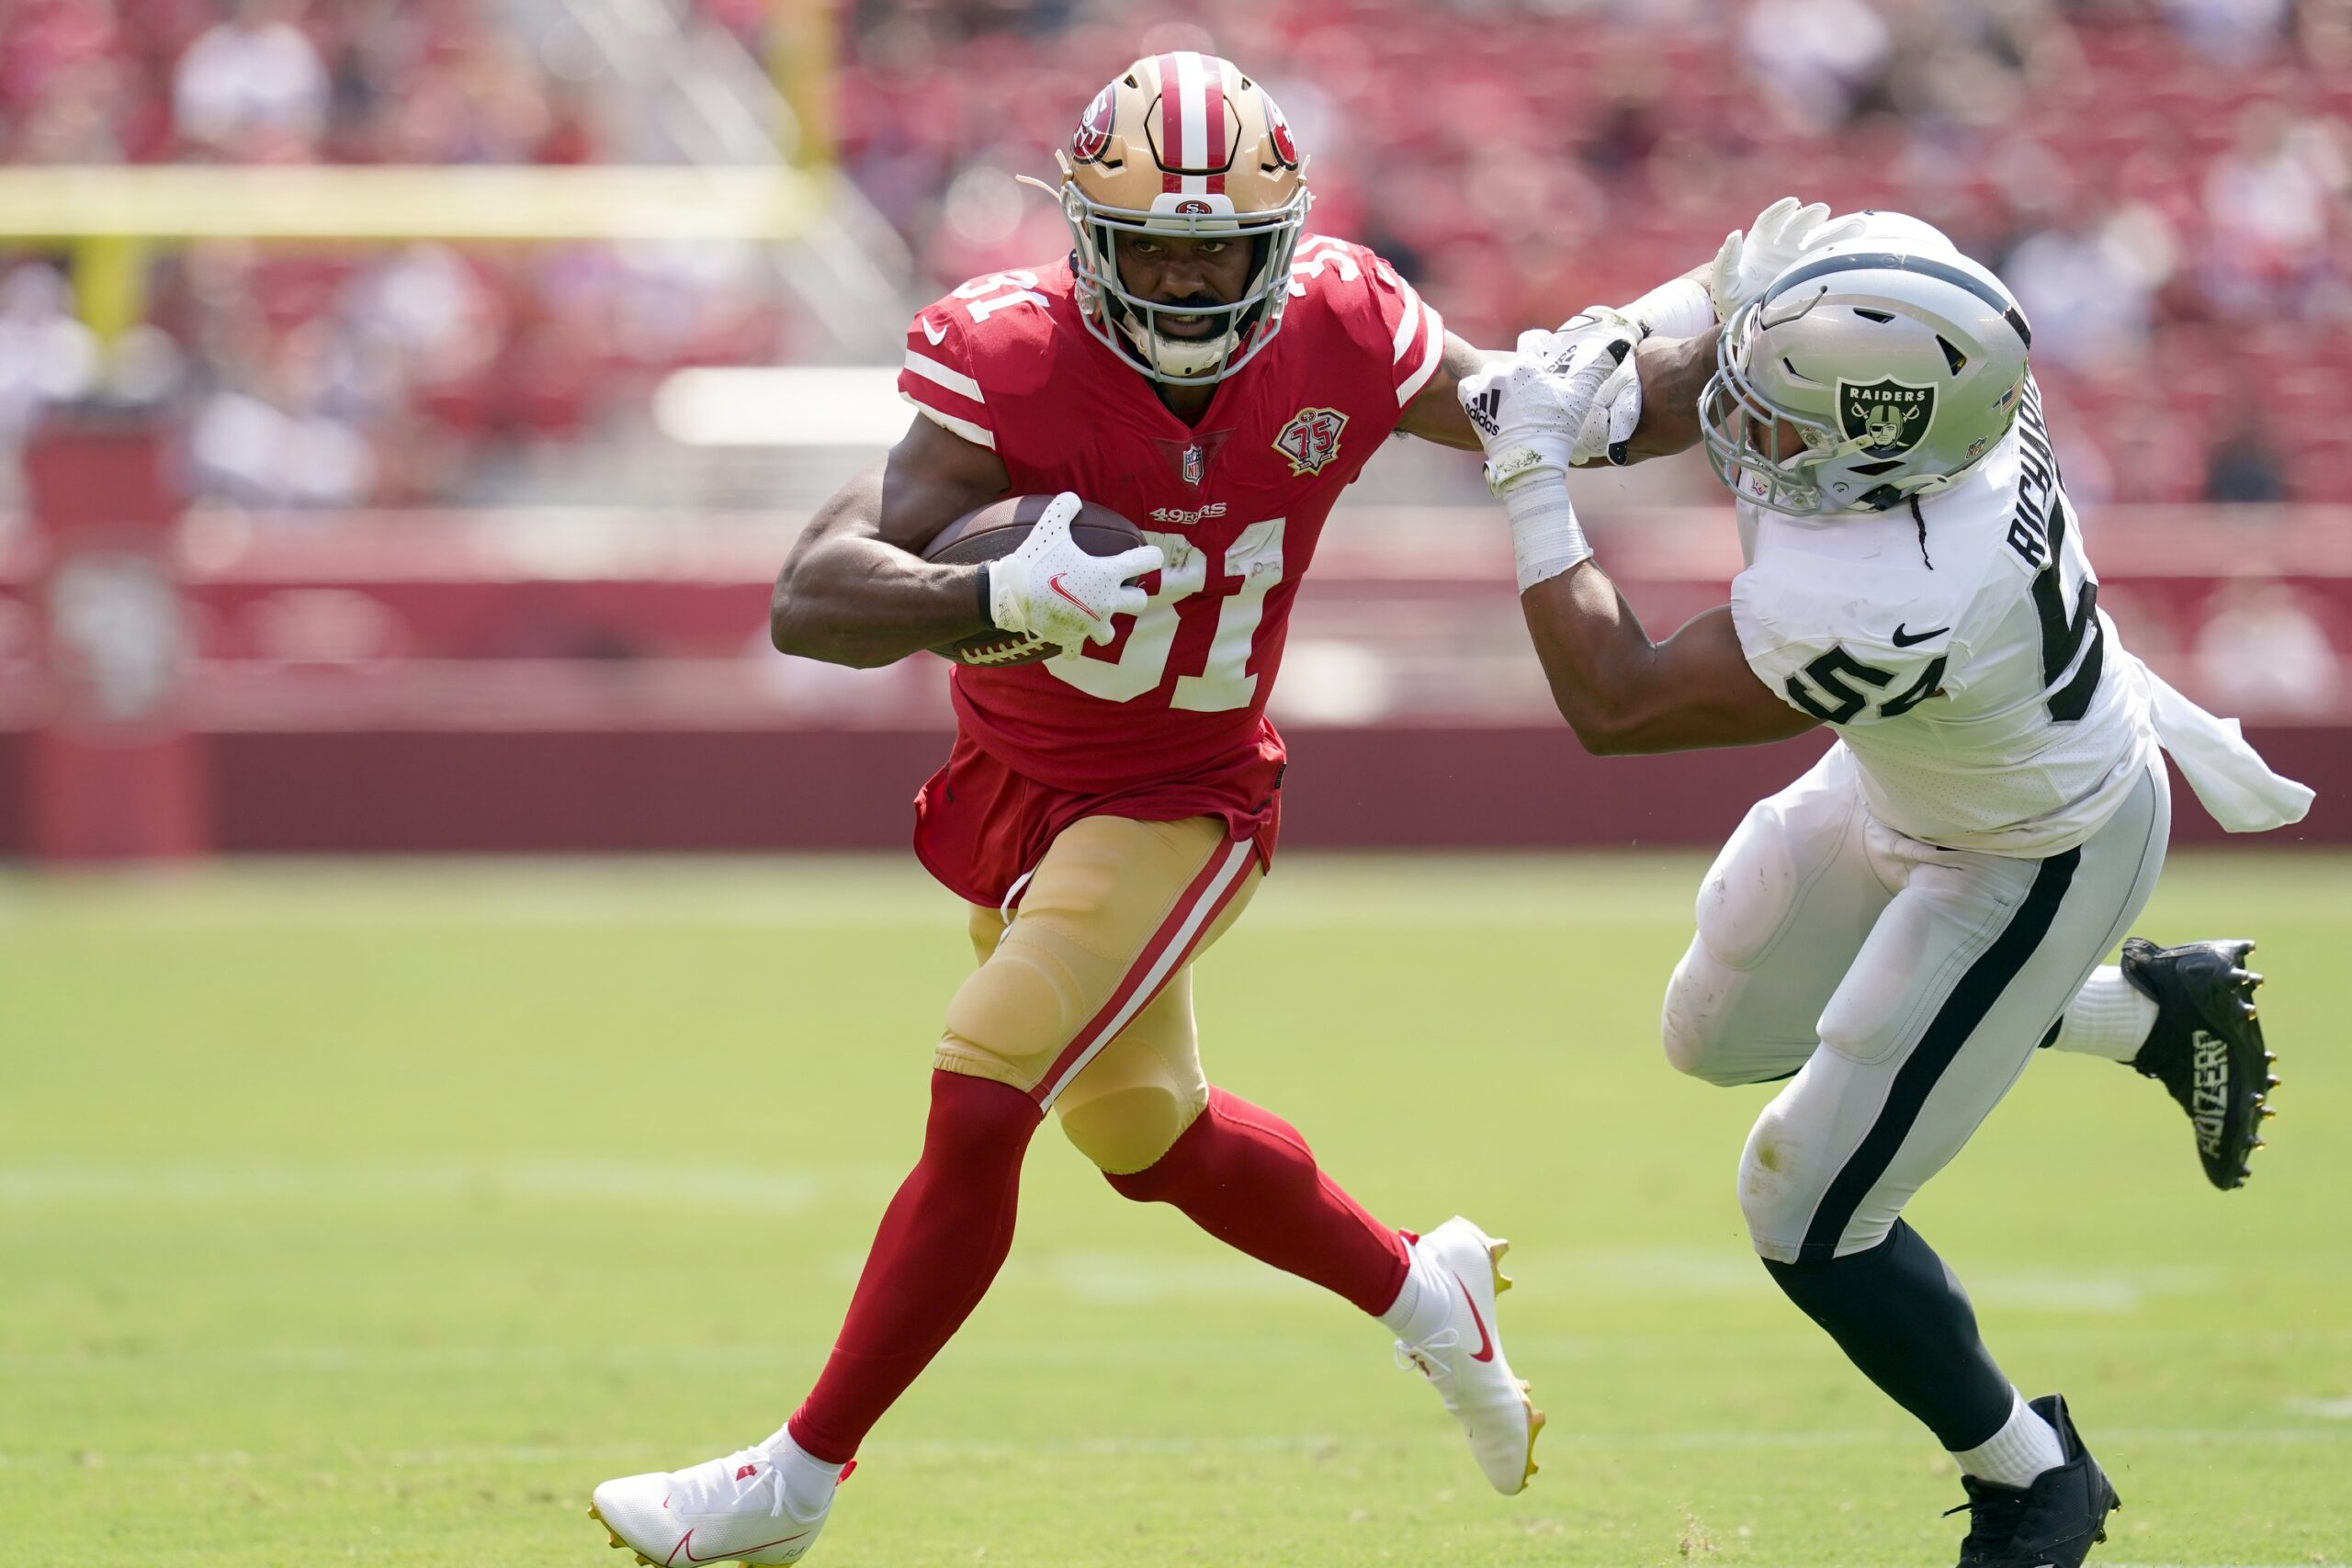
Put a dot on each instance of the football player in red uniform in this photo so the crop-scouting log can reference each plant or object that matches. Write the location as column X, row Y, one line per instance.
column 1203, row 366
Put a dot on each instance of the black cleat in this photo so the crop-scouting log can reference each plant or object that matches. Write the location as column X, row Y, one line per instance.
column 2206, row 1046
column 2053, row 1523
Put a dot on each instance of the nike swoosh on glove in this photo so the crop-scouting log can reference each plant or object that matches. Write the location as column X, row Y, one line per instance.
column 1050, row 588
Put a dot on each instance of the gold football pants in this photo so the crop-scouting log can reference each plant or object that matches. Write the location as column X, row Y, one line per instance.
column 1084, row 1000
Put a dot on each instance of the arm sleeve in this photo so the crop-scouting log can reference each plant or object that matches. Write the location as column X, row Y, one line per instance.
column 937, row 375
column 1842, row 675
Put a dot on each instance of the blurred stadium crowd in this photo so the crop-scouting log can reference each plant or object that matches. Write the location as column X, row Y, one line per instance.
column 2164, row 184
column 335, row 376
column 2167, row 183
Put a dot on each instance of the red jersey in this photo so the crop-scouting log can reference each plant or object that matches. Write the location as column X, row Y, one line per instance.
column 1167, row 720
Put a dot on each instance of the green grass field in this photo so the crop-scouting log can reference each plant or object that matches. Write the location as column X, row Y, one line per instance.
column 375, row 1213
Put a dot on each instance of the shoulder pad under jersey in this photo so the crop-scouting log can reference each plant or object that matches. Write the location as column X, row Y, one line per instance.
column 1335, row 282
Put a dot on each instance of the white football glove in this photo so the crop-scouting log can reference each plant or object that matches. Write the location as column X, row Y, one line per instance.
column 1607, row 423
column 1617, row 406
column 1748, row 262
column 1051, row 589
column 1528, row 419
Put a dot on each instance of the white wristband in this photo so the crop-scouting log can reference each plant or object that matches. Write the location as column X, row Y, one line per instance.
column 1545, row 538
column 1680, row 309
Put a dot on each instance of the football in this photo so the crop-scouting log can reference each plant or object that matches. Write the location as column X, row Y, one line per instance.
column 995, row 531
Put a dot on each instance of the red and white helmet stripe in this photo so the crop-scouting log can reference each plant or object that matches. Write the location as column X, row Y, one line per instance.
column 1193, row 134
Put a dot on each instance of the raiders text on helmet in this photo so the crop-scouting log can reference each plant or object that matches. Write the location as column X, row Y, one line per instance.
column 1896, row 367
column 1183, row 145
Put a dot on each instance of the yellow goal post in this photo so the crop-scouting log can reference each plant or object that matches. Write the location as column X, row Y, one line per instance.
column 112, row 218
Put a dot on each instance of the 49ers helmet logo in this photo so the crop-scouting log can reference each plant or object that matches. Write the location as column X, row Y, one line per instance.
column 1311, row 439
column 1092, row 137
column 1278, row 131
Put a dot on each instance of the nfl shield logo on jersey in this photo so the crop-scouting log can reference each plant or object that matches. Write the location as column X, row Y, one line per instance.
column 1192, row 466
column 1311, row 439
column 1890, row 415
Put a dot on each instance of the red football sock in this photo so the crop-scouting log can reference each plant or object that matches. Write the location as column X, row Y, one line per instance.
column 1245, row 1175
column 942, row 1239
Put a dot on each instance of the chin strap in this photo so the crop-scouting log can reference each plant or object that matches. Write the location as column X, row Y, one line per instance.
column 1154, row 347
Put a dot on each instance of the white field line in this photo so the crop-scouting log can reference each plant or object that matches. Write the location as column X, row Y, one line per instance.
column 1092, row 1276
column 1106, row 1277
column 1667, row 1270
column 157, row 1363
column 961, row 1449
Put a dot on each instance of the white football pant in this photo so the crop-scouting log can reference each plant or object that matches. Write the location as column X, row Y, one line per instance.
column 1904, row 986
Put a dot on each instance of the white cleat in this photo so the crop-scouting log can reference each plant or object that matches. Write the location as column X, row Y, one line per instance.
column 722, row 1510
column 1464, row 1360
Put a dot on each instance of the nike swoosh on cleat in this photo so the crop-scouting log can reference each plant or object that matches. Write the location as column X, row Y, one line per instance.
column 1912, row 639
column 686, row 1544
column 1485, row 1350
column 1055, row 582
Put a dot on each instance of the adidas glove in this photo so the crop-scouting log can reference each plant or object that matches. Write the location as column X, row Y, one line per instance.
column 1528, row 418
column 1616, row 408
column 1565, row 396
column 1051, row 589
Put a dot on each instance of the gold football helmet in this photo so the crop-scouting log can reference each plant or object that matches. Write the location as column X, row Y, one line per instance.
column 1183, row 145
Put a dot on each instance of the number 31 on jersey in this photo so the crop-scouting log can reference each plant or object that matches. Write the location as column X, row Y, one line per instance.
column 1236, row 595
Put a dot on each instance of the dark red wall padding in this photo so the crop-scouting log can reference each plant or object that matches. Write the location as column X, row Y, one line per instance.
column 1503, row 788
column 15, row 803
column 543, row 791
column 429, row 792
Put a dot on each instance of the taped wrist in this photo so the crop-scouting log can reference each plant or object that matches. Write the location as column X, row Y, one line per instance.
column 1679, row 309
column 1545, row 537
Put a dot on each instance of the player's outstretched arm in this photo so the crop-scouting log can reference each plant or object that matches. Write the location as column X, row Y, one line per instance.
column 1435, row 413
column 1673, row 372
column 1619, row 691
column 854, row 590
column 1624, row 694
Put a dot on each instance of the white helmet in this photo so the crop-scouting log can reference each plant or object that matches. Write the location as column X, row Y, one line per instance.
column 1878, row 229
column 1897, row 364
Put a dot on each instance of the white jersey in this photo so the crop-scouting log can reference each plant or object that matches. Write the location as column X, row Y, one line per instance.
column 1960, row 652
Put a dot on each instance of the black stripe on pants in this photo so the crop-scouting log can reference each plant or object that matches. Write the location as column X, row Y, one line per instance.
column 1958, row 1019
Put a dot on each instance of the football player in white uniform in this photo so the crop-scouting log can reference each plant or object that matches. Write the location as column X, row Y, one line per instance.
column 1895, row 932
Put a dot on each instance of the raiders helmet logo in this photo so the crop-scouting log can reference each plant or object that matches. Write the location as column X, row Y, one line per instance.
column 1311, row 439
column 1092, row 137
column 1890, row 416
